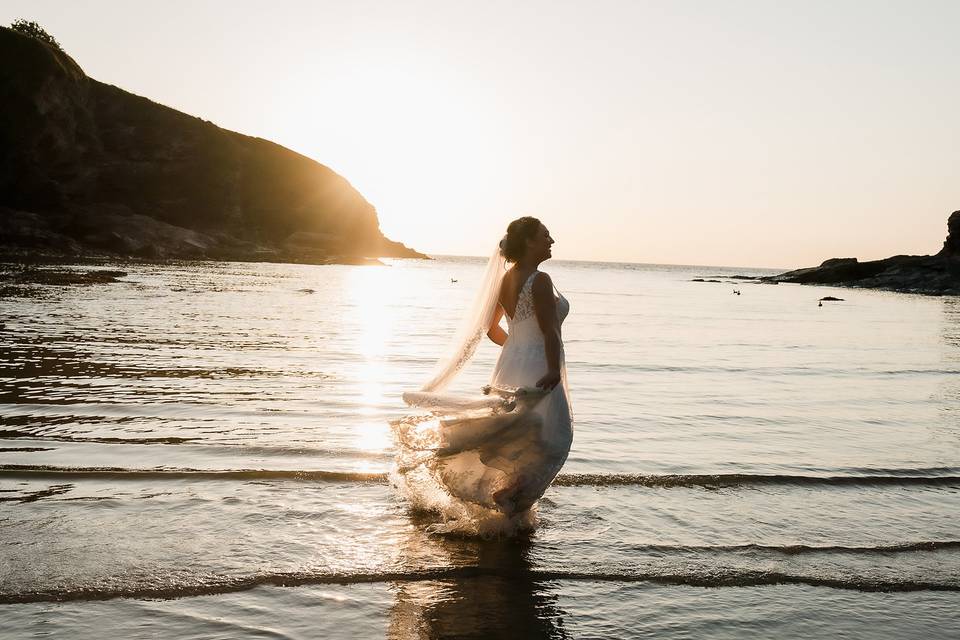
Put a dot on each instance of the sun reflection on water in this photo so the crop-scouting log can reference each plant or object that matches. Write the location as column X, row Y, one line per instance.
column 373, row 293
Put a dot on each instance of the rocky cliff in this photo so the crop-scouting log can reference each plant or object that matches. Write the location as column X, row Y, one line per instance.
column 87, row 167
column 937, row 274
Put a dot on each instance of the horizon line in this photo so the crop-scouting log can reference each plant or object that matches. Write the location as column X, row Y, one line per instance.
column 645, row 264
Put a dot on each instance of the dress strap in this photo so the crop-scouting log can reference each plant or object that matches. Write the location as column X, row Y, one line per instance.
column 529, row 280
column 525, row 299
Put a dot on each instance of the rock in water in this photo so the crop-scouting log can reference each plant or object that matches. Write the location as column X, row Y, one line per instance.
column 932, row 275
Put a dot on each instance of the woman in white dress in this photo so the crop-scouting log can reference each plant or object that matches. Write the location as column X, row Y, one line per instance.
column 482, row 463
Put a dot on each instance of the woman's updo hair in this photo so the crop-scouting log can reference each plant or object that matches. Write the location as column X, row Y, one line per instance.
column 514, row 243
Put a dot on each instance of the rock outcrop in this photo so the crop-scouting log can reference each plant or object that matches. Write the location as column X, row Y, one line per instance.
column 937, row 274
column 87, row 167
column 951, row 246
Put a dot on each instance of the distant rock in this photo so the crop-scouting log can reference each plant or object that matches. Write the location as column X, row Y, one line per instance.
column 20, row 281
column 937, row 274
column 951, row 246
column 87, row 168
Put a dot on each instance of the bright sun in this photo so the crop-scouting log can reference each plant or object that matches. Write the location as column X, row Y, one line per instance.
column 415, row 140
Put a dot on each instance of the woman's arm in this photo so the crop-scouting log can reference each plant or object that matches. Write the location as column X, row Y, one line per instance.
column 495, row 332
column 545, row 308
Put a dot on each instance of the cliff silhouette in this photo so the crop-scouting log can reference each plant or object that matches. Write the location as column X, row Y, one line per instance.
column 88, row 168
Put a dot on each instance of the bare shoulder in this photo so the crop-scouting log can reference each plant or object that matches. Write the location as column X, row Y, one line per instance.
column 542, row 284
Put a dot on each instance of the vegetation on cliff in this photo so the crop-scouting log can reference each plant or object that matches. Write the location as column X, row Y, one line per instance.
column 34, row 30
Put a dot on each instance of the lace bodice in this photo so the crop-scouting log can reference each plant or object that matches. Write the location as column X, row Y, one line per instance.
column 525, row 309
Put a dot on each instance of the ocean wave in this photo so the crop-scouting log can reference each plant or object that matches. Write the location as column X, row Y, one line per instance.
column 207, row 445
column 121, row 473
column 220, row 585
column 800, row 549
column 758, row 370
column 709, row 481
column 14, row 433
column 722, row 480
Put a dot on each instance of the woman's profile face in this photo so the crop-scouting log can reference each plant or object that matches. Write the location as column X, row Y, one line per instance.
column 539, row 244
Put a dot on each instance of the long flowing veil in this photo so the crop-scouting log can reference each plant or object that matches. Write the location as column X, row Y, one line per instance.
column 473, row 328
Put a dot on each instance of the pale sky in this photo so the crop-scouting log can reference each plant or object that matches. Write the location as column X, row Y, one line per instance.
column 746, row 133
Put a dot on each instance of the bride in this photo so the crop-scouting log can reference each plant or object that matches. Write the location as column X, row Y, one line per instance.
column 483, row 462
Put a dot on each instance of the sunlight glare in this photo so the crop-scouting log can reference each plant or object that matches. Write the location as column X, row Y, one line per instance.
column 421, row 134
column 375, row 293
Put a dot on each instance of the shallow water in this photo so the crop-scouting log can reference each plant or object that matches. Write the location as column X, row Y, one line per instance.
column 201, row 449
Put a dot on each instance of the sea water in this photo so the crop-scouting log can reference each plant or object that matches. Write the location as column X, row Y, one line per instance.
column 202, row 450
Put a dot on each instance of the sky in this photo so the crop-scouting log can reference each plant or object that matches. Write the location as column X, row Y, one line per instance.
column 712, row 132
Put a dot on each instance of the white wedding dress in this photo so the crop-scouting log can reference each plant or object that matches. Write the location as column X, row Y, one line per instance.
column 482, row 463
